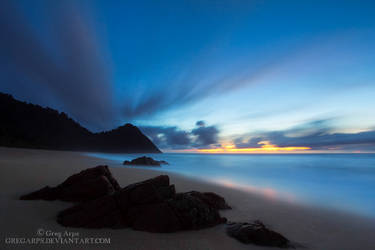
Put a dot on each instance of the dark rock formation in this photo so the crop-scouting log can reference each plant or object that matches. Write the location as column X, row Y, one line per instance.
column 257, row 233
column 98, row 213
column 193, row 212
column 32, row 126
column 87, row 185
column 151, row 205
column 144, row 161
column 211, row 199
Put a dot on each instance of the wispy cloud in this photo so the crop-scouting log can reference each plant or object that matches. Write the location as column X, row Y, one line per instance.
column 318, row 135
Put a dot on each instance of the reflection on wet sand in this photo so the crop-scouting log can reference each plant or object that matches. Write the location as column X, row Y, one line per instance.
column 266, row 192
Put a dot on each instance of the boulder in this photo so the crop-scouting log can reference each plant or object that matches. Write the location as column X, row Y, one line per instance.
column 145, row 161
column 144, row 192
column 151, row 205
column 95, row 213
column 193, row 212
column 46, row 193
column 257, row 233
column 156, row 218
column 212, row 199
column 183, row 211
column 87, row 185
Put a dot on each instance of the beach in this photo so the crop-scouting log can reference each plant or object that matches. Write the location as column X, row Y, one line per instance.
column 26, row 170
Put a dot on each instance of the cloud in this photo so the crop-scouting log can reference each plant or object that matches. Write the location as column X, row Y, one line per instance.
column 200, row 124
column 171, row 137
column 65, row 63
column 61, row 62
column 323, row 141
column 205, row 136
column 168, row 137
column 181, row 92
column 250, row 143
column 318, row 135
column 199, row 78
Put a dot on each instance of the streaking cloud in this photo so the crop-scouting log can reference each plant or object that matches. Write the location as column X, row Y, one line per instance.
column 65, row 63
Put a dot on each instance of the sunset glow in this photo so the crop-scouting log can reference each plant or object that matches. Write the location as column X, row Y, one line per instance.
column 266, row 147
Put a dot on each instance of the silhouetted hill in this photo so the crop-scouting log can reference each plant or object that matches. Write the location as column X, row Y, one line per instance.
column 32, row 126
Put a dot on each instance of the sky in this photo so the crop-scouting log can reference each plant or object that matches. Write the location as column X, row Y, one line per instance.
column 201, row 76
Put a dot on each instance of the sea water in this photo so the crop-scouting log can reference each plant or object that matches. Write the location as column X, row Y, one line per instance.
column 338, row 181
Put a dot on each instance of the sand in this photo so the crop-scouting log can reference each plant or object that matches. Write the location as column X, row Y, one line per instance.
column 25, row 170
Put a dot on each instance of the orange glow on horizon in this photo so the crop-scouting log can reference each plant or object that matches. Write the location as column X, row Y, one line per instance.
column 266, row 147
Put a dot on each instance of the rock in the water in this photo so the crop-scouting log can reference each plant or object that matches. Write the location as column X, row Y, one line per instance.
column 87, row 185
column 145, row 161
column 257, row 233
column 151, row 205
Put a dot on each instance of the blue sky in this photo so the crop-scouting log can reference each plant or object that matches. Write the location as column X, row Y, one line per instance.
column 247, row 69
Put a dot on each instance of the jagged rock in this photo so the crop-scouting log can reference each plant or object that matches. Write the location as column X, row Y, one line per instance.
column 257, row 233
column 157, row 218
column 46, row 193
column 144, row 192
column 87, row 185
column 99, row 213
column 193, row 212
column 183, row 211
column 145, row 161
column 212, row 199
column 151, row 205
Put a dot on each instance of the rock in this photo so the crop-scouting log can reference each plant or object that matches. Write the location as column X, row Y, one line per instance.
column 183, row 211
column 151, row 205
column 146, row 192
column 212, row 199
column 99, row 213
column 156, row 218
column 87, row 185
column 91, row 173
column 193, row 212
column 167, row 192
column 145, row 161
column 46, row 193
column 257, row 233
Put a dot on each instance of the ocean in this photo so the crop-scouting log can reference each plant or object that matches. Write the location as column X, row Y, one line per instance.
column 337, row 181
